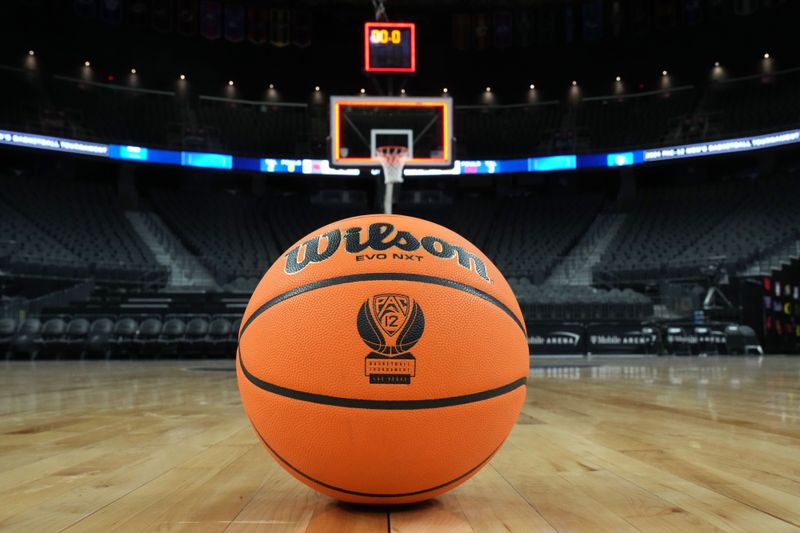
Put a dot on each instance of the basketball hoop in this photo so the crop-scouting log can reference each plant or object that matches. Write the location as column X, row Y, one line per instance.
column 393, row 159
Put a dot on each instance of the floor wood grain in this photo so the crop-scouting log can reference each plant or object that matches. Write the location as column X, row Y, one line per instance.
column 604, row 444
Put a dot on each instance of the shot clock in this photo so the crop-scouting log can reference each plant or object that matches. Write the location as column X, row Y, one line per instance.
column 390, row 47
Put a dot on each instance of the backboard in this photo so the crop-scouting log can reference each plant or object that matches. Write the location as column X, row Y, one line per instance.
column 361, row 124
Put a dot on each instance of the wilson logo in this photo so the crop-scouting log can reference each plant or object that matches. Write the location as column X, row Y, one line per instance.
column 379, row 237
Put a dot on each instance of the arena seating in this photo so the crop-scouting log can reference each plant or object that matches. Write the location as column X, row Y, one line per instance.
column 75, row 228
column 677, row 232
column 238, row 237
column 118, row 115
column 256, row 129
column 227, row 231
column 72, row 227
column 27, row 250
column 21, row 98
column 141, row 324
column 618, row 123
column 120, row 337
column 39, row 102
column 763, row 103
column 574, row 302
column 531, row 234
column 525, row 129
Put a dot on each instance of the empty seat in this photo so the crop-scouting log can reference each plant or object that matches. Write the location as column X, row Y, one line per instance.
column 195, row 341
column 25, row 341
column 76, row 336
column 99, row 335
column 146, row 342
column 8, row 327
column 53, row 337
column 219, row 332
column 122, row 341
column 171, row 335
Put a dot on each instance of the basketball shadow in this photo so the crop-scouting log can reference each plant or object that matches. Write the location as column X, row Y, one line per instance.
column 398, row 508
column 428, row 515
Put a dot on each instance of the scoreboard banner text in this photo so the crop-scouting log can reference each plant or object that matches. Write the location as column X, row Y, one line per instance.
column 278, row 165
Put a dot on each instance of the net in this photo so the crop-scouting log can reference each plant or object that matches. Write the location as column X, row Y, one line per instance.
column 393, row 159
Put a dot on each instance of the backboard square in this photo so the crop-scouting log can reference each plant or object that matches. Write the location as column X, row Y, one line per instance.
column 361, row 124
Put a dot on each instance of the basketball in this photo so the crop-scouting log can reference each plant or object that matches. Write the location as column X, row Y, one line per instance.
column 382, row 359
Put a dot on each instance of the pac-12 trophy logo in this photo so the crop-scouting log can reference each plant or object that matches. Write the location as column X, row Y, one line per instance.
column 390, row 324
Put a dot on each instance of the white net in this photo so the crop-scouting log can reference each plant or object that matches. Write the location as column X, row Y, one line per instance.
column 393, row 159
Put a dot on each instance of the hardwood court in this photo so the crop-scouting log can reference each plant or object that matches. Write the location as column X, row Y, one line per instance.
column 648, row 444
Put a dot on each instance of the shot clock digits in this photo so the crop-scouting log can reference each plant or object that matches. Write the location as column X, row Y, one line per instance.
column 390, row 47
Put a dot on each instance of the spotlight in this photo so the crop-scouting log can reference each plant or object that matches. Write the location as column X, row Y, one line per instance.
column 766, row 55
column 574, row 83
column 402, row 91
column 271, row 85
column 87, row 64
column 363, row 90
column 716, row 63
column 133, row 71
column 316, row 88
column 445, row 90
column 663, row 72
column 488, row 89
column 230, row 83
column 31, row 53
column 531, row 86
column 182, row 77
column 618, row 78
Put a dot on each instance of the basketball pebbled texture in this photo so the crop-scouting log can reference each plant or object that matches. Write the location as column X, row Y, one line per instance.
column 382, row 359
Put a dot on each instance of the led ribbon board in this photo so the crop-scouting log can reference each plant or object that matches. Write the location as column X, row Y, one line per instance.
column 566, row 162
column 390, row 47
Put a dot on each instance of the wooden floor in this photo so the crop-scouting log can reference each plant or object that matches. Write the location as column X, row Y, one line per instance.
column 647, row 444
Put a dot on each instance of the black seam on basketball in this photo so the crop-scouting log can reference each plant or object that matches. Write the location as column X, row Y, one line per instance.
column 368, row 494
column 389, row 405
column 383, row 276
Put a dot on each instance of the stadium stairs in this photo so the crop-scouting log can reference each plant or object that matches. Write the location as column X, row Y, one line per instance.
column 576, row 267
column 781, row 257
column 185, row 271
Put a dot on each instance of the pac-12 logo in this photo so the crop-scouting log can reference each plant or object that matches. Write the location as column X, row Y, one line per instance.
column 390, row 324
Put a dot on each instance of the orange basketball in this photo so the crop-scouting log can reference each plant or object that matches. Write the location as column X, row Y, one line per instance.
column 382, row 359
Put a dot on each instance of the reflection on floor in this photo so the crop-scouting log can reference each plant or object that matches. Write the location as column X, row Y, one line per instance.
column 602, row 445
